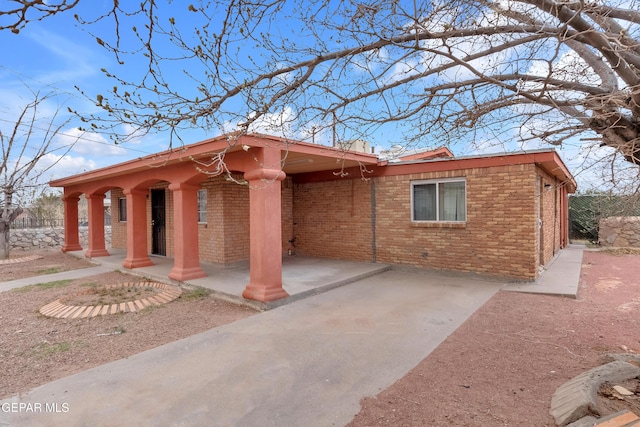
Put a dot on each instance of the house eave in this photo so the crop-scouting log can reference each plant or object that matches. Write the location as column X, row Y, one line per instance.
column 547, row 159
column 298, row 157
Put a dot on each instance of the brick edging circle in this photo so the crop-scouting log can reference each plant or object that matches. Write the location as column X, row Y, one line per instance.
column 62, row 311
column 21, row 259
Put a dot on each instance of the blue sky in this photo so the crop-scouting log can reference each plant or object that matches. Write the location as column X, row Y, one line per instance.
column 56, row 55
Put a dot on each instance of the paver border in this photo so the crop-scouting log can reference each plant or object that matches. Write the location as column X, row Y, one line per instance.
column 58, row 309
column 21, row 259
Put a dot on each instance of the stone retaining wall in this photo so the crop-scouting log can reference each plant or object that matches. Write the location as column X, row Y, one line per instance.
column 42, row 238
column 619, row 231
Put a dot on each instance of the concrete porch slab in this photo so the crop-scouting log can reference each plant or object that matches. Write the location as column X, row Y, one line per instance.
column 301, row 276
column 561, row 277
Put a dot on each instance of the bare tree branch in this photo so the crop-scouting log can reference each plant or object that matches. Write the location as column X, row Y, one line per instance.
column 440, row 70
column 23, row 154
column 16, row 14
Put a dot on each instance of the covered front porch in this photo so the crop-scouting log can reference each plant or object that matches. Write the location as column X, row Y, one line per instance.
column 256, row 163
column 301, row 276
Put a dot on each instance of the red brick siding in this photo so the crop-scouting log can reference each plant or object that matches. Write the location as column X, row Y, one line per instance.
column 287, row 214
column 235, row 220
column 498, row 238
column 118, row 228
column 224, row 238
column 333, row 219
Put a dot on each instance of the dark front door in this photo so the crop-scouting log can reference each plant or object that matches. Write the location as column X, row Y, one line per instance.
column 158, row 221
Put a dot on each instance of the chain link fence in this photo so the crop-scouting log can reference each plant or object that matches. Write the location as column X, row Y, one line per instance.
column 585, row 212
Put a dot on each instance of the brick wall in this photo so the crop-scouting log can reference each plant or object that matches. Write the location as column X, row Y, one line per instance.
column 224, row 237
column 498, row 237
column 235, row 220
column 118, row 228
column 211, row 233
column 288, row 232
column 333, row 219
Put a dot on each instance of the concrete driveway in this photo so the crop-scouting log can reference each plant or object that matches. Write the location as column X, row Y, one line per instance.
column 307, row 363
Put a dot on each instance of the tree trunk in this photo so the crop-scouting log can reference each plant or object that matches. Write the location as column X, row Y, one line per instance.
column 4, row 239
column 6, row 218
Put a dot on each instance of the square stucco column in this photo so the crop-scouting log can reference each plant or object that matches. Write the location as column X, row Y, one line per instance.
column 137, row 254
column 265, row 235
column 96, row 227
column 186, row 261
column 71, row 236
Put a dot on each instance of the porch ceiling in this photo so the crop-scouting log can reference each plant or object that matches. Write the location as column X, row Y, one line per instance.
column 295, row 163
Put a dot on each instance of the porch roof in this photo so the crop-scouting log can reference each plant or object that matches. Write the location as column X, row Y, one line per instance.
column 297, row 157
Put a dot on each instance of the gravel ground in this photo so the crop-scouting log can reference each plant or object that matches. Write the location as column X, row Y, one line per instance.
column 35, row 349
column 501, row 367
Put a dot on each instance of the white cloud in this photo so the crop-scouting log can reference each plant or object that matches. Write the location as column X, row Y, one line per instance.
column 279, row 124
column 568, row 67
column 133, row 135
column 88, row 143
column 485, row 146
column 61, row 166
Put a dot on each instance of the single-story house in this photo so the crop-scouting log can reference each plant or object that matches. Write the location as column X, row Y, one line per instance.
column 255, row 197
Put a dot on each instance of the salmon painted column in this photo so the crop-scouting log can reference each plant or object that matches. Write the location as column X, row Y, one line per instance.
column 71, row 237
column 137, row 254
column 186, row 256
column 265, row 282
column 96, row 226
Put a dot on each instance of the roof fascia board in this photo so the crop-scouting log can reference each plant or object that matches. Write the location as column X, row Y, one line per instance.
column 539, row 158
column 209, row 146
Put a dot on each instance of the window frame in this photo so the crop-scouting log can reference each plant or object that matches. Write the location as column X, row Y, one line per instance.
column 437, row 183
column 202, row 212
column 122, row 209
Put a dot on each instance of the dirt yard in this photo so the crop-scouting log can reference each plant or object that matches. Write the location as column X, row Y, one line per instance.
column 35, row 349
column 499, row 368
